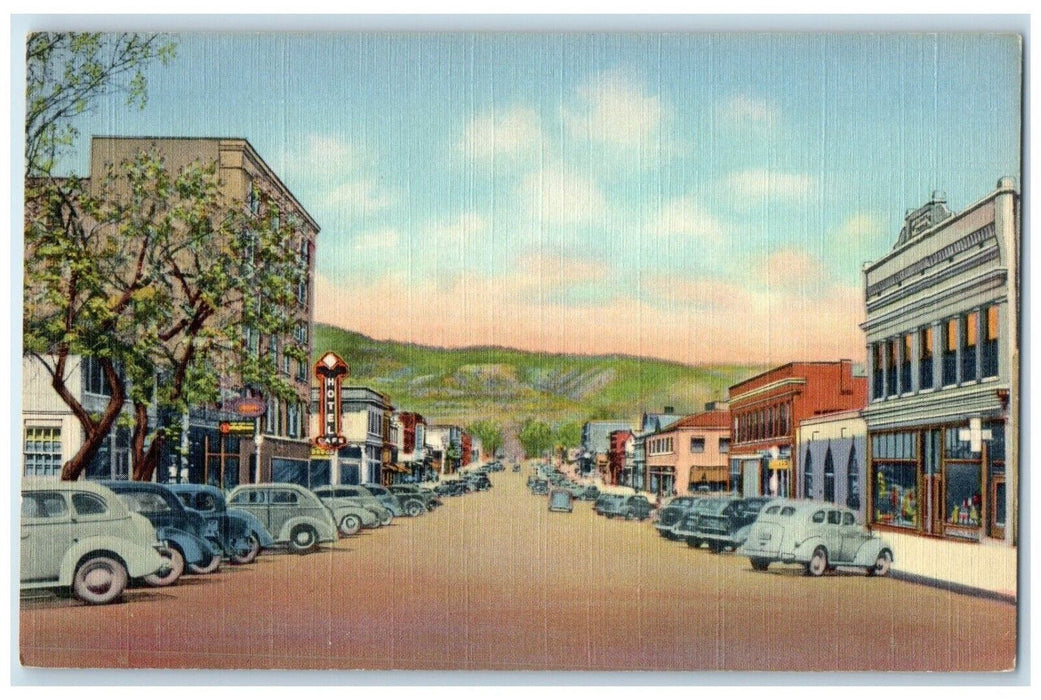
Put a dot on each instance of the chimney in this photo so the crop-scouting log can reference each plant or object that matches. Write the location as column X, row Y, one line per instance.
column 845, row 376
column 669, row 410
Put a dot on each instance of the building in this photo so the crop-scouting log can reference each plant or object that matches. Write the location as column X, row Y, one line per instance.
column 941, row 327
column 765, row 411
column 619, row 452
column 649, row 423
column 446, row 443
column 413, row 453
column 596, row 443
column 274, row 444
column 832, row 451
column 690, row 454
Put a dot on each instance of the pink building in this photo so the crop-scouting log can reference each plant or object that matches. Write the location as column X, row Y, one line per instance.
column 691, row 454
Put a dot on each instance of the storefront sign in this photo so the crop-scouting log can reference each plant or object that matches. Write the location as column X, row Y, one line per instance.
column 780, row 464
column 330, row 371
column 320, row 452
column 247, row 406
column 237, row 427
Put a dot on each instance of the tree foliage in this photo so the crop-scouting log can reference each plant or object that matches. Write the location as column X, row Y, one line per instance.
column 536, row 437
column 567, row 435
column 489, row 432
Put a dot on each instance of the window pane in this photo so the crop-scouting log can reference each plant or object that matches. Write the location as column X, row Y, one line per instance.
column 895, row 495
column 963, row 495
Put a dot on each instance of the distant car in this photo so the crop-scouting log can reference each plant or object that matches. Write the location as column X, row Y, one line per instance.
column 672, row 514
column 389, row 500
column 451, row 488
column 540, row 487
column 724, row 522
column 480, row 482
column 636, row 507
column 587, row 493
column 349, row 512
column 293, row 515
column 560, row 501
column 820, row 536
column 516, row 468
column 184, row 530
column 409, row 495
column 79, row 535
column 362, row 496
column 608, row 504
column 687, row 528
column 239, row 534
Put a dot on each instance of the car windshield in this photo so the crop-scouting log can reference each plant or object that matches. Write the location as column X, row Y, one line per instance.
column 145, row 502
column 716, row 507
column 682, row 502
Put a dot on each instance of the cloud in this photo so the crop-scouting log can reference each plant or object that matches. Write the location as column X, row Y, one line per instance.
column 760, row 184
column 382, row 239
column 613, row 109
column 557, row 195
column 861, row 227
column 466, row 228
column 507, row 134
column 360, row 196
column 684, row 216
column 746, row 113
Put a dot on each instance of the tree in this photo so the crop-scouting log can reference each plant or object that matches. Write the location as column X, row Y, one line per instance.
column 566, row 436
column 489, row 432
column 168, row 284
column 536, row 437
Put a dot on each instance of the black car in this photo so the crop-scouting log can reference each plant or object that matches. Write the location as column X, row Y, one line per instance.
column 540, row 487
column 451, row 488
column 672, row 515
column 724, row 524
column 479, row 482
column 239, row 535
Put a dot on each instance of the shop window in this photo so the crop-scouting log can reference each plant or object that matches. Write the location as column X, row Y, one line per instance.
column 807, row 475
column 829, row 477
column 895, row 502
column 962, row 487
column 905, row 363
column 989, row 349
column 853, row 480
column 950, row 352
column 877, row 370
column 996, row 476
column 925, row 360
column 955, row 447
column 42, row 452
column 891, row 388
column 968, row 346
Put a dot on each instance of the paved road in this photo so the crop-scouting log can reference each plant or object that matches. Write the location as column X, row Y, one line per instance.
column 494, row 581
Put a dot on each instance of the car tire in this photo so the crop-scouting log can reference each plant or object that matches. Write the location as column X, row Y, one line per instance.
column 303, row 539
column 386, row 519
column 250, row 556
column 759, row 564
column 350, row 525
column 414, row 509
column 693, row 542
column 174, row 568
column 630, row 514
column 99, row 580
column 208, row 568
column 818, row 563
column 882, row 564
column 715, row 547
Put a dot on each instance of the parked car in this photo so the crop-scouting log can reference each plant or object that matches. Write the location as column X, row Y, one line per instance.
column 348, row 511
column 636, row 507
column 387, row 499
column 540, row 487
column 408, row 494
column 182, row 529
column 239, row 534
column 608, row 504
column 672, row 515
column 587, row 493
column 687, row 528
column 79, row 536
column 456, row 487
column 479, row 482
column 820, row 536
column 361, row 496
column 724, row 522
column 293, row 515
column 560, row 501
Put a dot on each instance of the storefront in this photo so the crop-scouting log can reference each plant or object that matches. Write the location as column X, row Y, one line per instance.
column 762, row 475
column 945, row 480
column 662, row 481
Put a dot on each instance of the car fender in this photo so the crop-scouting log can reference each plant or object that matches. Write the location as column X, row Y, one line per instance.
column 741, row 535
column 195, row 549
column 326, row 530
column 255, row 526
column 868, row 552
column 140, row 560
column 367, row 516
column 803, row 550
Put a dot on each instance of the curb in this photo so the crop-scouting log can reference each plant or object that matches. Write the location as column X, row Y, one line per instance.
column 961, row 588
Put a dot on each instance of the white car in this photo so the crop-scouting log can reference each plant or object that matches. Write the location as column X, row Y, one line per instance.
column 79, row 534
column 820, row 536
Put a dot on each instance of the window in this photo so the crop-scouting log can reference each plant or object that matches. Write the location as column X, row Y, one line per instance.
column 697, row 445
column 88, row 504
column 285, row 365
column 724, row 445
column 848, row 519
column 834, row 517
column 907, row 348
column 807, row 475
column 925, row 360
column 42, row 451
column 818, row 517
column 895, row 499
column 853, row 480
column 829, row 477
column 283, row 497
column 989, row 351
column 44, row 505
column 969, row 326
column 877, row 371
column 950, row 352
column 962, row 488
column 94, row 381
column 891, row 389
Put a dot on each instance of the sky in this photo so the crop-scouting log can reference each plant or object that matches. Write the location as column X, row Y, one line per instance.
column 703, row 198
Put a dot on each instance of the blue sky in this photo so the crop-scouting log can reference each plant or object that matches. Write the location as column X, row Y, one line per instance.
column 698, row 197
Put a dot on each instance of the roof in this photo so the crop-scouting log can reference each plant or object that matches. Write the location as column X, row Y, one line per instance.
column 708, row 419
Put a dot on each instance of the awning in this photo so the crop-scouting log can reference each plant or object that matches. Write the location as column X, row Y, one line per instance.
column 708, row 474
column 396, row 468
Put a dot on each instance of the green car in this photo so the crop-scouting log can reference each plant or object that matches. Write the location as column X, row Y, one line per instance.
column 293, row 515
column 80, row 535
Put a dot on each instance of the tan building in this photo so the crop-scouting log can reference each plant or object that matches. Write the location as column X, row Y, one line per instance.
column 691, row 454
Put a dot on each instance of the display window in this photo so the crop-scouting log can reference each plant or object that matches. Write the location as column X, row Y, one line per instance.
column 896, row 494
column 963, row 494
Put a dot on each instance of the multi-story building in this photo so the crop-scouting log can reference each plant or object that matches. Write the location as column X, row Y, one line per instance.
column 446, row 443
column 619, row 451
column 278, row 444
column 832, row 451
column 636, row 470
column 596, row 443
column 690, row 454
column 942, row 326
column 765, row 411
column 413, row 452
column 366, row 422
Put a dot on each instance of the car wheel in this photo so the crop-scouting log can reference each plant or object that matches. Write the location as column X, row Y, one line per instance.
column 630, row 514
column 386, row 519
column 693, row 542
column 882, row 564
column 759, row 564
column 715, row 547
column 250, row 555
column 350, row 525
column 99, row 580
column 207, row 568
column 818, row 563
column 303, row 539
column 172, row 569
column 414, row 509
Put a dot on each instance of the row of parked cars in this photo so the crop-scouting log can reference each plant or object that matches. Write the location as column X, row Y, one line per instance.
column 94, row 538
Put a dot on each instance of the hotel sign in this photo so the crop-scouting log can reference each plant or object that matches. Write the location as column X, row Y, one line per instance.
column 330, row 371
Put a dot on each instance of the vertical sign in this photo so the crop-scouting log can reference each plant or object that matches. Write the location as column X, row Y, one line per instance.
column 330, row 371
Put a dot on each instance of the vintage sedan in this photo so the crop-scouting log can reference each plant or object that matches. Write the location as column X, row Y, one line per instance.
column 672, row 515
column 820, row 536
column 79, row 535
column 387, row 499
column 608, row 504
column 687, row 528
column 184, row 530
column 293, row 515
column 724, row 522
column 351, row 512
column 409, row 493
column 240, row 535
column 540, row 487
column 362, row 496
column 560, row 501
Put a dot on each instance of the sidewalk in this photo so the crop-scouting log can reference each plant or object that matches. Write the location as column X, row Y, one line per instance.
column 987, row 568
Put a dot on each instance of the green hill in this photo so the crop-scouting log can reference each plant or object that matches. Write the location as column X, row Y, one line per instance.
column 467, row 384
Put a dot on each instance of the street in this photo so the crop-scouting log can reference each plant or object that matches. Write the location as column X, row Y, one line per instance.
column 492, row 580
